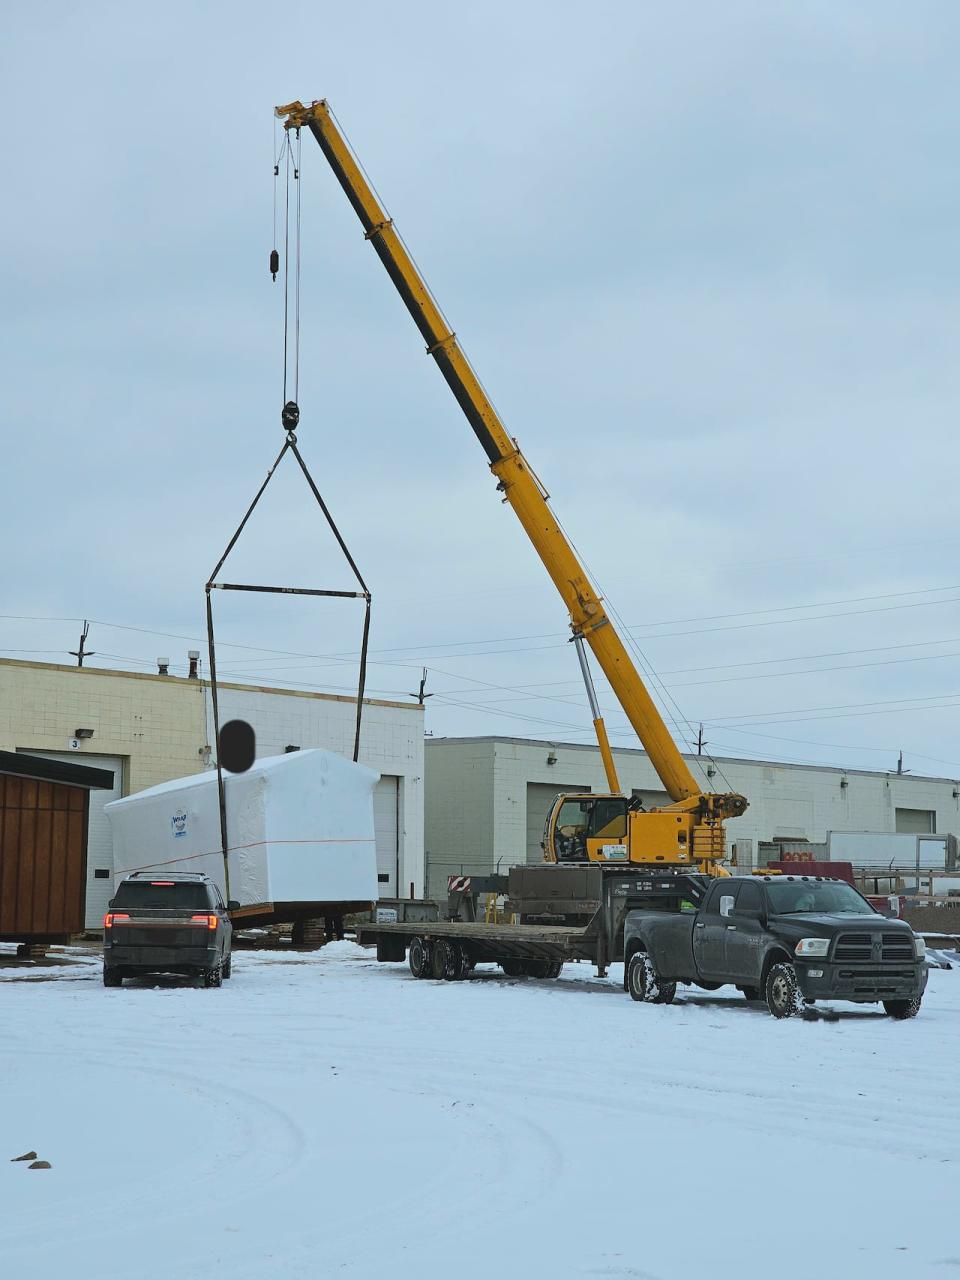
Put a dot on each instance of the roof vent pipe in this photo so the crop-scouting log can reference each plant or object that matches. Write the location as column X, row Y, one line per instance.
column 163, row 666
column 193, row 657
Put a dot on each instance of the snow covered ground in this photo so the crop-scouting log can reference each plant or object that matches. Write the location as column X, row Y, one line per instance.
column 324, row 1115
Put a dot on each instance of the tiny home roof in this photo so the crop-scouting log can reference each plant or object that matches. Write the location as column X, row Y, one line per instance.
column 17, row 764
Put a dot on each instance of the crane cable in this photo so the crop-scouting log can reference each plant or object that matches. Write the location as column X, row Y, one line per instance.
column 288, row 155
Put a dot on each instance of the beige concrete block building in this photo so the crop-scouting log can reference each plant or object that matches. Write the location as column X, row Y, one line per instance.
column 151, row 728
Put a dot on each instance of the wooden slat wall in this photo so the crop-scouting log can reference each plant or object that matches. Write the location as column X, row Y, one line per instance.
column 43, row 856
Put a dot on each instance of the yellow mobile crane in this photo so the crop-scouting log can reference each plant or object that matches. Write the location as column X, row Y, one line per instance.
column 580, row 828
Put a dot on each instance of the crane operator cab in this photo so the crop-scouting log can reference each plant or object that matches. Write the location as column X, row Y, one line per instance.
column 579, row 827
column 587, row 827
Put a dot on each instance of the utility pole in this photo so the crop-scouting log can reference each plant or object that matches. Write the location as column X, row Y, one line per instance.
column 900, row 768
column 82, row 653
column 420, row 695
column 700, row 742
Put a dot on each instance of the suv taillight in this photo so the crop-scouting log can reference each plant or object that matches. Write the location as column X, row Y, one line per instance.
column 209, row 921
column 111, row 916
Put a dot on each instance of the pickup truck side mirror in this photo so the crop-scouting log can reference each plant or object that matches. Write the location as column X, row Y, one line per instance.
column 233, row 905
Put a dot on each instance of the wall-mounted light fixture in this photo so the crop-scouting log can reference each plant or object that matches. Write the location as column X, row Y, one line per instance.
column 844, row 783
column 290, row 747
column 551, row 757
column 83, row 733
column 710, row 771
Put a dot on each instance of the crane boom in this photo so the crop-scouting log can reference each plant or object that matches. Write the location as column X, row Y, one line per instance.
column 520, row 486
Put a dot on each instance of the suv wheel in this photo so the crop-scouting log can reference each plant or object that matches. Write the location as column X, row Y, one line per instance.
column 902, row 1008
column 112, row 977
column 782, row 993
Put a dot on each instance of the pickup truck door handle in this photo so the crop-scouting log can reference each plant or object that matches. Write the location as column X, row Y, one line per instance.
column 700, row 925
column 731, row 926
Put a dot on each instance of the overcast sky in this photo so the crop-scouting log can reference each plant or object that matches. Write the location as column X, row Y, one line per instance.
column 703, row 256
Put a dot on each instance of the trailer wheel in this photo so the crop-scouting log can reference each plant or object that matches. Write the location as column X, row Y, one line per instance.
column 900, row 1009
column 556, row 968
column 420, row 959
column 782, row 993
column 513, row 968
column 442, row 960
column 449, row 958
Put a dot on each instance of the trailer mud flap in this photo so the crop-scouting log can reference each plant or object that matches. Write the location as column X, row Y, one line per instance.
column 391, row 947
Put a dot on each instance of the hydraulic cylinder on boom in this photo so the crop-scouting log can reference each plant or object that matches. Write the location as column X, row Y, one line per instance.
column 596, row 828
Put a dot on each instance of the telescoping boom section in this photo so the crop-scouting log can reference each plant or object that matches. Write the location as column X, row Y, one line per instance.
column 690, row 828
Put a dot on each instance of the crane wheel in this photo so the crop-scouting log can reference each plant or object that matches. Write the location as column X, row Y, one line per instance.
column 513, row 968
column 420, row 959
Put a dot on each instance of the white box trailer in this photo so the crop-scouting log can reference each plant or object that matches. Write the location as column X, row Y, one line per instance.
column 299, row 828
column 890, row 850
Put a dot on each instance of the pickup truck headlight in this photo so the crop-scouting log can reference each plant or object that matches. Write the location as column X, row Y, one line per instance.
column 920, row 947
column 812, row 947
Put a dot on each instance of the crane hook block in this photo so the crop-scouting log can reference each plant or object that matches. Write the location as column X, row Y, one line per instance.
column 290, row 415
column 274, row 263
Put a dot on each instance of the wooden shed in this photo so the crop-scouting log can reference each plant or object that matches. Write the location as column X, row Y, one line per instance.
column 44, row 806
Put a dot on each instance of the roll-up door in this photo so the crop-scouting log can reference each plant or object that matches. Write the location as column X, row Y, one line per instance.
column 387, row 830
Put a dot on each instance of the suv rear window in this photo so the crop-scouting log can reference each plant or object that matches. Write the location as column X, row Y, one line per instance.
column 170, row 894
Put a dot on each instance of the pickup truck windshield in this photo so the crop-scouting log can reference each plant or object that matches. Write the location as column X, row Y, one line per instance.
column 802, row 897
column 171, row 895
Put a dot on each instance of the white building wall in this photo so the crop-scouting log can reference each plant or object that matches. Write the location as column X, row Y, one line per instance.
column 458, row 810
column 785, row 799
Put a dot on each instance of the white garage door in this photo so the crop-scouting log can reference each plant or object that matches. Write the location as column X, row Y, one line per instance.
column 386, row 828
column 99, row 840
column 540, row 798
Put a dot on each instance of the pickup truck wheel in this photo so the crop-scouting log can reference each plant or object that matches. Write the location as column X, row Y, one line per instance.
column 112, row 977
column 213, row 977
column 782, row 993
column 902, row 1008
column 228, row 966
column 419, row 959
column 749, row 993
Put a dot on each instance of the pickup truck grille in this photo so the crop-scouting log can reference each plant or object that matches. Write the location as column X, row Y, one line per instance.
column 854, row 946
column 859, row 946
column 897, row 946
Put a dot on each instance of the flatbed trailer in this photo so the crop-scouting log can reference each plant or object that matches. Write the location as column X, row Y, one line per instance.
column 577, row 914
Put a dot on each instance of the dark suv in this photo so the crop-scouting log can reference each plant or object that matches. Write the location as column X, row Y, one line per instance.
column 175, row 923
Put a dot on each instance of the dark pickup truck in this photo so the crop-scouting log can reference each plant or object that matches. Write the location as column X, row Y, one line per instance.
column 789, row 940
column 167, row 924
